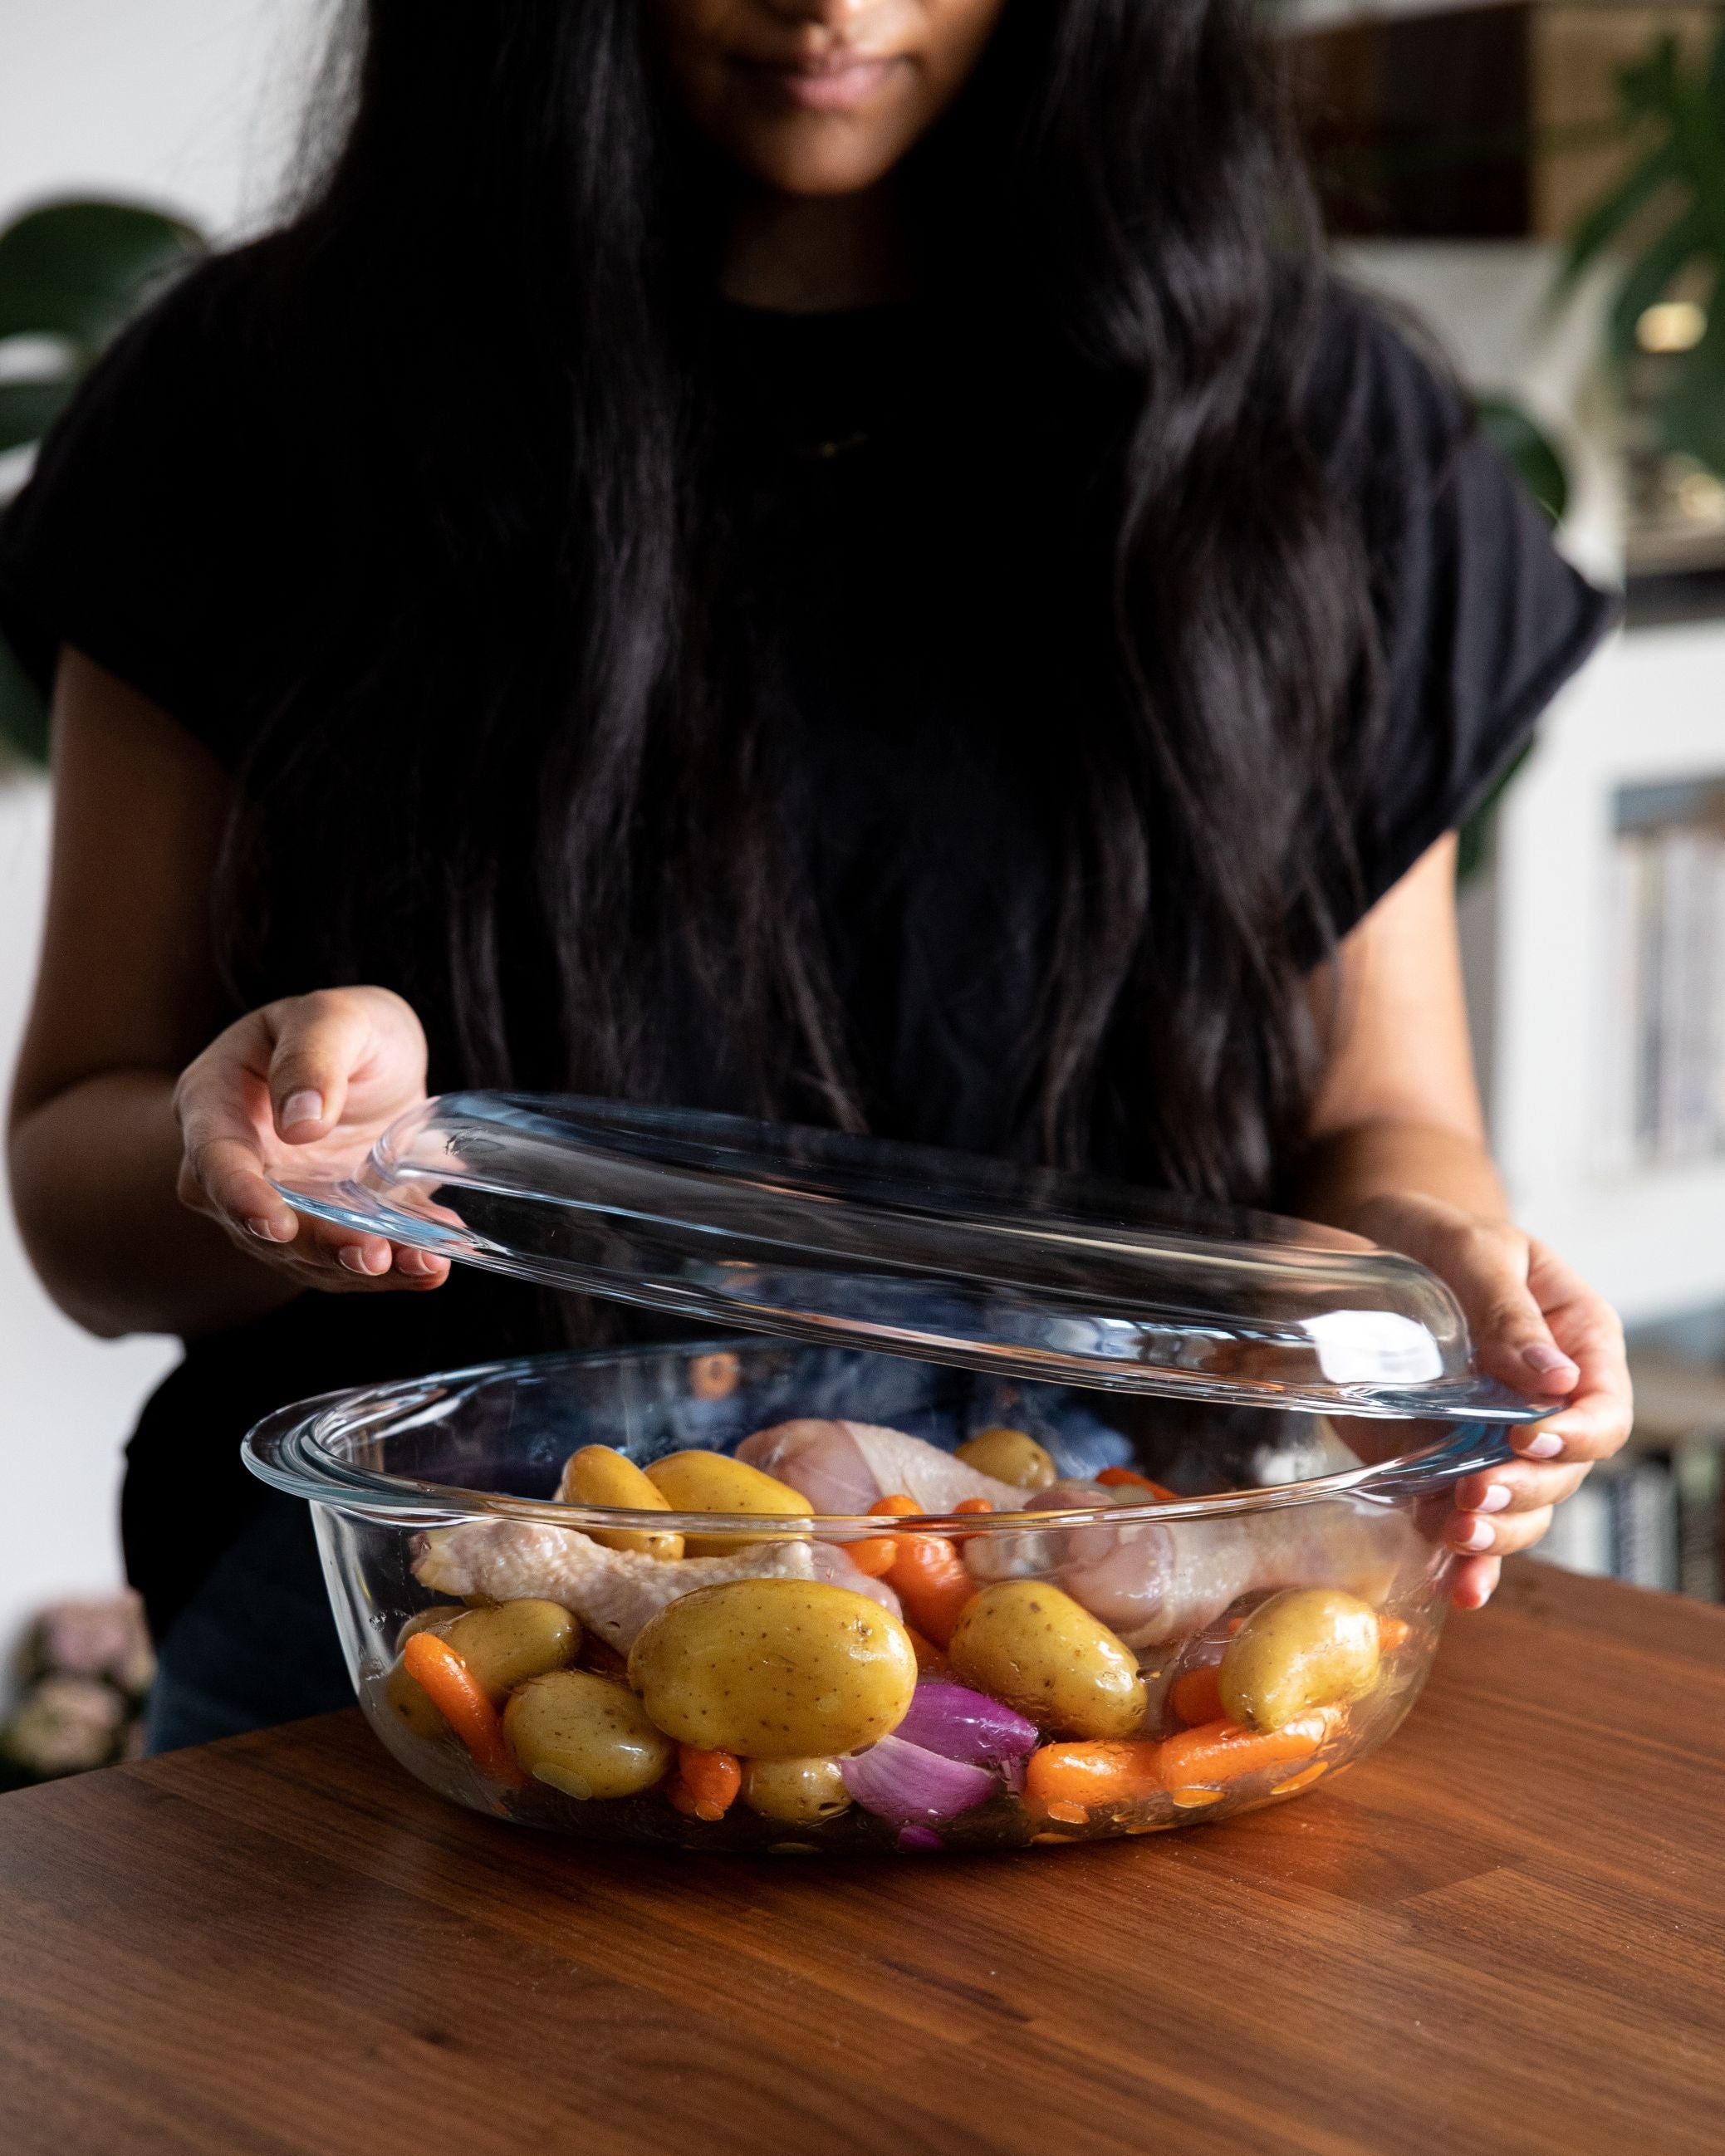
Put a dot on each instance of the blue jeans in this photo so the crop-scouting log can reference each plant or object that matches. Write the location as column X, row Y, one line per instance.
column 255, row 1645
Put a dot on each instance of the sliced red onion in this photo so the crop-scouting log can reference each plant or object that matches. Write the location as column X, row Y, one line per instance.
column 918, row 1837
column 910, row 1787
column 962, row 1724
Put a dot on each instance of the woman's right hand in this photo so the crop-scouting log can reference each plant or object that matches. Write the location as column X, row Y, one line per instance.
column 302, row 1089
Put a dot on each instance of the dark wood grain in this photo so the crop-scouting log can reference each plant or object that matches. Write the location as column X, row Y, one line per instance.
column 1506, row 1933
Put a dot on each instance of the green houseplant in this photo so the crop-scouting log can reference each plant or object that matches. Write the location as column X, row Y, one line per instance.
column 1667, row 214
column 71, row 274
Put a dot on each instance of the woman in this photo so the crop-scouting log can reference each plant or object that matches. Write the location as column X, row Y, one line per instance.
column 832, row 558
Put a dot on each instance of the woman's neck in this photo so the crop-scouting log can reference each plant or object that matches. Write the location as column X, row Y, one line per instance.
column 810, row 255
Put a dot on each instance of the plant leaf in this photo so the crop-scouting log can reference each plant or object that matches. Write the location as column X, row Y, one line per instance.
column 78, row 269
column 1648, row 280
column 1648, row 85
column 24, row 716
column 1602, row 223
column 28, row 410
column 1536, row 459
column 1692, row 414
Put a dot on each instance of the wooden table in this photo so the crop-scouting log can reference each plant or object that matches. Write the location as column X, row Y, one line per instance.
column 1506, row 1933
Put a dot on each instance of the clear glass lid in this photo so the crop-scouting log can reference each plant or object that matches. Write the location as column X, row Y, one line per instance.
column 817, row 1235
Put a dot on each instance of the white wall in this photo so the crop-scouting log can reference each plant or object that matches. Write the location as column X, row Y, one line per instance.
column 189, row 104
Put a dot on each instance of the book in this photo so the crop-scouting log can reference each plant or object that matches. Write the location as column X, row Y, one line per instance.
column 1698, row 1468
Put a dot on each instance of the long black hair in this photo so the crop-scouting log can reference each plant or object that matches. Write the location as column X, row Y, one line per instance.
column 499, row 299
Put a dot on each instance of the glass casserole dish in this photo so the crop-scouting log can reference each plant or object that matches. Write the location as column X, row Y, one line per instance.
column 1024, row 1510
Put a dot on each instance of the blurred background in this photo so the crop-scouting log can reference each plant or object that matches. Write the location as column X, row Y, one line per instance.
column 1544, row 186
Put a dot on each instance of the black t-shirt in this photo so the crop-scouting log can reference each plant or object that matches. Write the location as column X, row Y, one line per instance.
column 182, row 530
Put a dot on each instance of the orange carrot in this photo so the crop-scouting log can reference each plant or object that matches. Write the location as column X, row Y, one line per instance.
column 928, row 1574
column 452, row 1688
column 931, row 1662
column 706, row 1783
column 1222, row 1751
column 1102, row 1773
column 1391, row 1633
column 1117, row 1475
column 972, row 1505
column 1197, row 1696
column 931, row 1580
column 877, row 1554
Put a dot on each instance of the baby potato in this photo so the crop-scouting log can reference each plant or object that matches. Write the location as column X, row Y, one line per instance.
column 800, row 1792
column 588, row 1735
column 1034, row 1648
column 501, row 1646
column 711, row 1482
column 1009, row 1455
column 774, row 1669
column 1305, row 1647
column 600, row 1475
column 504, row 1645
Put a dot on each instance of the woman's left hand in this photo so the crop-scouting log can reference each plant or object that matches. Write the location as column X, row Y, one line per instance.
column 1543, row 1330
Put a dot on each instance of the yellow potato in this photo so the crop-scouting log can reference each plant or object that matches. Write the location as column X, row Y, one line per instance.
column 1034, row 1647
column 1305, row 1647
column 588, row 1735
column 600, row 1475
column 775, row 1669
column 433, row 1619
column 502, row 1645
column 798, row 1791
column 709, row 1483
column 1009, row 1455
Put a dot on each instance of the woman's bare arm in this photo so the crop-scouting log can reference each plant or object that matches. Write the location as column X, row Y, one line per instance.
column 1400, row 1155
column 111, row 1194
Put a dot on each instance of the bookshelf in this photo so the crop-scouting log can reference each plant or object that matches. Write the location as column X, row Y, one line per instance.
column 1632, row 756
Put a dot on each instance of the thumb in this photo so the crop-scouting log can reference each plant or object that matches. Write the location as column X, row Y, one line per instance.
column 1513, row 1342
column 319, row 1041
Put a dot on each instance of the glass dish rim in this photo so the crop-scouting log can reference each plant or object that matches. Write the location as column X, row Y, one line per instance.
column 283, row 1450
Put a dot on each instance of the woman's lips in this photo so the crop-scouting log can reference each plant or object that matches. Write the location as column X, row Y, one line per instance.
column 836, row 85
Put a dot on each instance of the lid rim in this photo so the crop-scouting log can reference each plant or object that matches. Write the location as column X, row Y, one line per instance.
column 972, row 1263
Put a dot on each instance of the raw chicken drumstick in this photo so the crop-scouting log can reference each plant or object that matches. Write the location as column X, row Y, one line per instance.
column 844, row 1466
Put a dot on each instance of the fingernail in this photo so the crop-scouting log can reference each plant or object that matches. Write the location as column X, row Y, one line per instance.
column 301, row 1108
column 1496, row 1498
column 1545, row 1359
column 264, row 1230
column 1544, row 1445
column 354, row 1259
column 1471, row 1535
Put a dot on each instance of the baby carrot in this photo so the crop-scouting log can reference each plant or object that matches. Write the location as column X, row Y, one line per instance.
column 874, row 1554
column 1116, row 1475
column 1391, row 1632
column 928, row 1574
column 931, row 1662
column 706, row 1783
column 930, row 1578
column 877, row 1554
column 1222, row 1751
column 972, row 1505
column 1197, row 1696
column 451, row 1687
column 1102, row 1773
